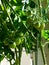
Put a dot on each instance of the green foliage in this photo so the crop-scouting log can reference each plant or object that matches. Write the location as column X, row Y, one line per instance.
column 20, row 22
column 32, row 4
column 45, row 34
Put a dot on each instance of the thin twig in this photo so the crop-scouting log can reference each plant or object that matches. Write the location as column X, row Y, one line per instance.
column 30, row 33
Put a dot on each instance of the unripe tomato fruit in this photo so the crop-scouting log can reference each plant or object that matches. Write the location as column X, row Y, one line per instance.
column 37, row 25
column 42, row 26
column 13, row 45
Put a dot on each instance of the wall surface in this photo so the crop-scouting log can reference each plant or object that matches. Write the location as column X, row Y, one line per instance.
column 25, row 59
column 40, row 59
column 46, row 49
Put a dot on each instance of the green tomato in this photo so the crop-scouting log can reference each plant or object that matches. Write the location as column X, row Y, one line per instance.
column 18, row 41
column 21, row 34
column 37, row 25
column 42, row 26
column 13, row 45
column 22, row 40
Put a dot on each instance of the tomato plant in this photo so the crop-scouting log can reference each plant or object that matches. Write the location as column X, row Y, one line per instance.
column 22, row 24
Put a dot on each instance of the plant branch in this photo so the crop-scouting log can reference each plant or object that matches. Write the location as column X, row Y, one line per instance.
column 30, row 33
column 42, row 51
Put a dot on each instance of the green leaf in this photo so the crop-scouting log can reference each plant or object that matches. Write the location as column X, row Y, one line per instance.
column 45, row 34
